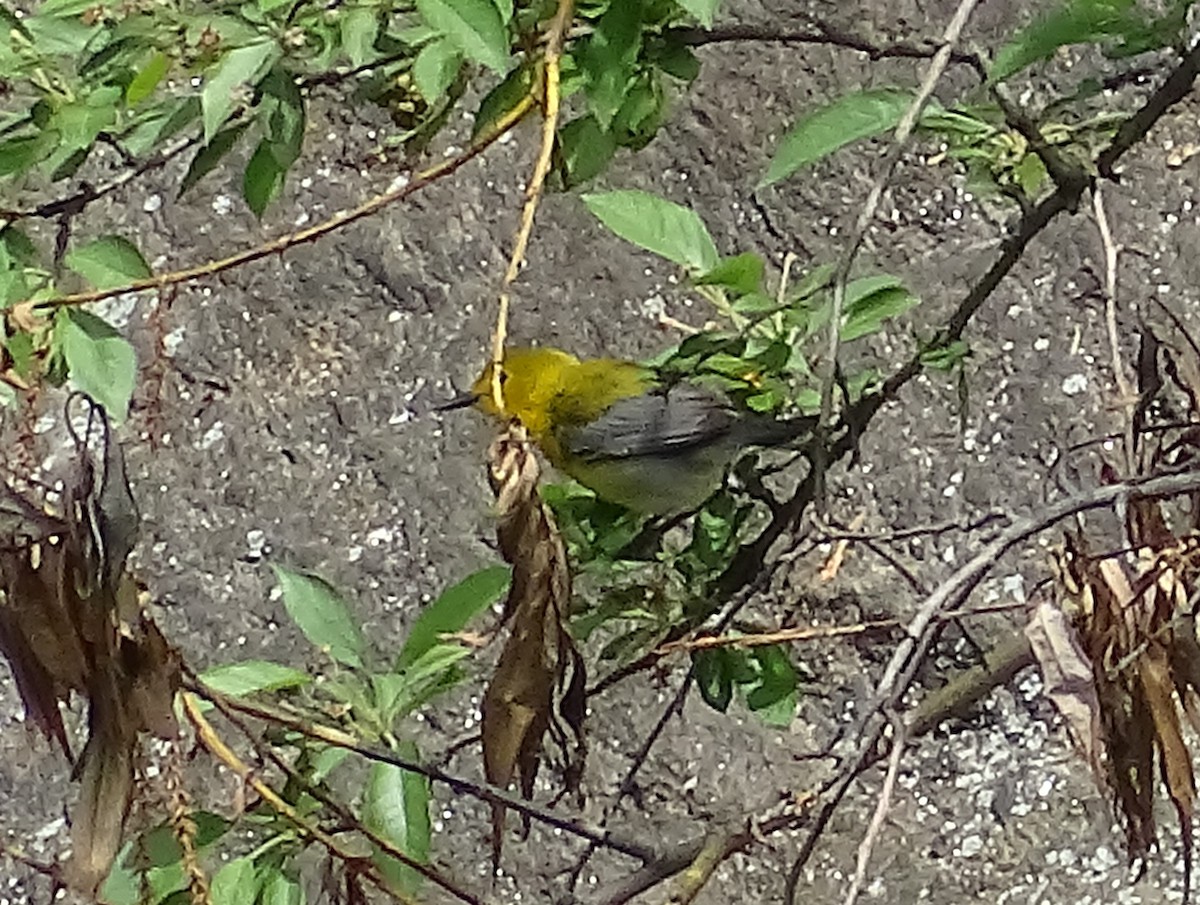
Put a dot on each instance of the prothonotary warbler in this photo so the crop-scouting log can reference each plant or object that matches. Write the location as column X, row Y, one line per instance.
column 617, row 428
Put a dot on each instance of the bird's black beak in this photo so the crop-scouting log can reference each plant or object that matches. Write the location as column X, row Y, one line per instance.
column 466, row 400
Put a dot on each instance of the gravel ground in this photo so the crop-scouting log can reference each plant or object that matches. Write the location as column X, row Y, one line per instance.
column 295, row 428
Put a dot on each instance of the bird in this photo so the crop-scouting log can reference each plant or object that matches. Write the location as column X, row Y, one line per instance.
column 621, row 429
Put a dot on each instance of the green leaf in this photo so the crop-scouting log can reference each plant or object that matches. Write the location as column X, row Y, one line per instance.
column 655, row 224
column 235, row 884
column 585, row 150
column 475, row 26
column 326, row 761
column 250, row 676
column 456, row 606
column 834, row 126
column 101, row 362
column 714, row 677
column 436, row 67
column 642, row 113
column 263, row 179
column 872, row 300
column 239, row 69
column 500, row 100
column 702, row 10
column 944, row 358
column 742, row 273
column 108, row 262
column 128, row 883
column 321, row 614
column 360, row 28
column 146, row 80
column 608, row 58
column 80, row 122
column 396, row 807
column 279, row 889
column 677, row 60
column 1075, row 22
column 210, row 155
column 20, row 154
column 773, row 695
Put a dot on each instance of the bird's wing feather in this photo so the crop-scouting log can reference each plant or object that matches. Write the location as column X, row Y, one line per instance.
column 659, row 422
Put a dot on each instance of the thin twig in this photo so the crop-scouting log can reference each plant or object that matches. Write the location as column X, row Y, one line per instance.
column 745, row 565
column 209, row 738
column 866, row 217
column 551, row 103
column 1128, row 398
column 283, row 243
column 639, row 760
column 490, row 794
column 918, row 633
column 875, row 827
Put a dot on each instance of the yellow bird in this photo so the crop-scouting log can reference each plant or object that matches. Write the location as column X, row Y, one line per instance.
column 617, row 428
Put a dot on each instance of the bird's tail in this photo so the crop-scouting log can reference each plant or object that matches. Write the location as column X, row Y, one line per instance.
column 768, row 431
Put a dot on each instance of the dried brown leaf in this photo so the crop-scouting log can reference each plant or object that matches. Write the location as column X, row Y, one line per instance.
column 71, row 620
column 538, row 684
column 1068, row 676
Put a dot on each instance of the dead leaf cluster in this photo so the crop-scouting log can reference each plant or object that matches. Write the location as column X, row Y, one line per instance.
column 71, row 620
column 1118, row 647
column 538, row 684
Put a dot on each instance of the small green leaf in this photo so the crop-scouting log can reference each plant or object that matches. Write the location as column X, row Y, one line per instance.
column 109, row 261
column 453, row 609
column 240, row 69
column 263, row 179
column 714, row 677
column 210, row 155
column 702, row 10
column 498, row 102
column 607, row 58
column 773, row 695
column 251, row 676
column 677, row 60
column 642, row 113
column 146, row 80
column 235, row 884
column 321, row 614
column 872, row 300
column 585, row 150
column 835, row 125
column 655, row 224
column 1074, row 22
column 475, row 26
column 20, row 154
column 360, row 28
column 436, row 67
column 743, row 274
column 279, row 889
column 396, row 807
column 101, row 362
column 326, row 761
column 8, row 395
column 944, row 358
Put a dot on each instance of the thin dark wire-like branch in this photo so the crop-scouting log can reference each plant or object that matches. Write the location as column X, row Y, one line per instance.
column 745, row 564
column 906, row 659
column 312, row 233
column 821, row 34
column 866, row 217
column 87, row 194
column 490, row 794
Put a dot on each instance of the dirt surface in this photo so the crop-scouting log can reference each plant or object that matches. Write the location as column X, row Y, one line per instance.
column 295, row 428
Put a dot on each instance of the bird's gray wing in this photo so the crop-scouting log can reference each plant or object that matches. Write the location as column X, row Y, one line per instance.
column 660, row 422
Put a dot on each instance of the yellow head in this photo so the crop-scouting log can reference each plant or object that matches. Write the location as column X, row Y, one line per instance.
column 530, row 381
